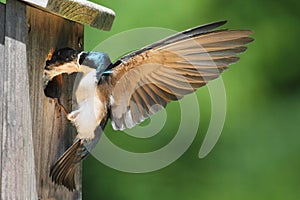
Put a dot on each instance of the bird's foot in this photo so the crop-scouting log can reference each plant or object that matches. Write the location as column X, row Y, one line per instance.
column 62, row 108
column 71, row 116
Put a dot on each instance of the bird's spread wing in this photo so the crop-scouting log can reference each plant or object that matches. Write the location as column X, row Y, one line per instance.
column 144, row 81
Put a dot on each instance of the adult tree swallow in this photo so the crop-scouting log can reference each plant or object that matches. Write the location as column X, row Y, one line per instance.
column 128, row 90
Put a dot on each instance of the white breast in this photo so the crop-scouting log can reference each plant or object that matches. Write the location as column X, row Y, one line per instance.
column 87, row 87
column 88, row 115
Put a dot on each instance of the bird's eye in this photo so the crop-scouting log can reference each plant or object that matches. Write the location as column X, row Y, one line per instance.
column 82, row 57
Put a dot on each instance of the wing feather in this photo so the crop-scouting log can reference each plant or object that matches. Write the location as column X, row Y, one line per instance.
column 169, row 69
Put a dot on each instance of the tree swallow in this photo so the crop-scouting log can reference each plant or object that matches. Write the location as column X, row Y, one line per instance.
column 127, row 90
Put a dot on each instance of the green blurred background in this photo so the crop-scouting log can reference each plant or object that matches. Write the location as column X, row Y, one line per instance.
column 257, row 155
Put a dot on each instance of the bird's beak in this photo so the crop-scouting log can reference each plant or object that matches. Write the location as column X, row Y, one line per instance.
column 46, row 78
column 51, row 71
column 48, row 74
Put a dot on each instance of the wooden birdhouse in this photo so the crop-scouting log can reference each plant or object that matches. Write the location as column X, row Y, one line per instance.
column 34, row 132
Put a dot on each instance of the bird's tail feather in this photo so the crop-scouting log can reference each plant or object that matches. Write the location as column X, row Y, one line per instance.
column 63, row 171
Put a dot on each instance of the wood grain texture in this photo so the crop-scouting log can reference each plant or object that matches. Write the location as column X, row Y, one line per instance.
column 81, row 11
column 2, row 33
column 18, row 180
column 2, row 24
column 34, row 132
column 52, row 132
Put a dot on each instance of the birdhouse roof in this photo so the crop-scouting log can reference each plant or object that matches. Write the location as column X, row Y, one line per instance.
column 81, row 11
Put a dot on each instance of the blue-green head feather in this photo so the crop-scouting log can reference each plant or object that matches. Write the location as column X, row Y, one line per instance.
column 97, row 60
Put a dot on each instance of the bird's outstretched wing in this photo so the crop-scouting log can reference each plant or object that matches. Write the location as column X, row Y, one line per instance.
column 169, row 69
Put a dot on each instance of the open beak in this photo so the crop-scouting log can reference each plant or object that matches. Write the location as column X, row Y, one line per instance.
column 46, row 78
column 51, row 71
column 48, row 74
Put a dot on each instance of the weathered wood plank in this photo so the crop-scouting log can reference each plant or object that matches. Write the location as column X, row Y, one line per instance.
column 2, row 28
column 2, row 23
column 26, row 113
column 80, row 11
column 52, row 133
column 18, row 175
